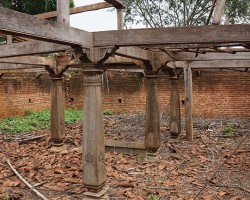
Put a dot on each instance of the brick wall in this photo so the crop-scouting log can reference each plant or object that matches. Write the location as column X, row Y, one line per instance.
column 215, row 94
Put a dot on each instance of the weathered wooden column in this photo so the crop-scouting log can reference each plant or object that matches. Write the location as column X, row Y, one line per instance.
column 175, row 115
column 120, row 19
column 152, row 126
column 63, row 12
column 188, row 102
column 94, row 170
column 57, row 125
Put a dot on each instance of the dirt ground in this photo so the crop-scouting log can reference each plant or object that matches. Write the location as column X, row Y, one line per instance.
column 215, row 166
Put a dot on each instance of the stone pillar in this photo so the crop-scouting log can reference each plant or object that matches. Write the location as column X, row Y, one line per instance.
column 175, row 115
column 94, row 169
column 152, row 127
column 57, row 125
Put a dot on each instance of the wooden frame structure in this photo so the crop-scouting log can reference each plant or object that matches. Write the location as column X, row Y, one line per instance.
column 171, row 50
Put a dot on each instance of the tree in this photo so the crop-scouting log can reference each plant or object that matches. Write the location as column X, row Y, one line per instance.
column 165, row 13
column 32, row 7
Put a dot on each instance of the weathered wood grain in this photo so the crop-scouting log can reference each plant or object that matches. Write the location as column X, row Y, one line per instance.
column 219, row 10
column 116, row 3
column 174, row 35
column 20, row 24
column 76, row 10
column 30, row 60
column 62, row 8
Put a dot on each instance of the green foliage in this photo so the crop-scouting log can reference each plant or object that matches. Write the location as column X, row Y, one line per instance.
column 107, row 112
column 165, row 13
column 35, row 121
column 229, row 129
column 152, row 197
column 32, row 6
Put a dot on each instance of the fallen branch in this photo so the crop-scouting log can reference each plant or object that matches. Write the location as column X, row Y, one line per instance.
column 25, row 182
column 205, row 185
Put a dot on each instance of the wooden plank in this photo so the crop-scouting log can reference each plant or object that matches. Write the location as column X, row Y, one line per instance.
column 214, row 64
column 123, row 144
column 62, row 8
column 76, row 10
column 219, row 10
column 187, row 56
column 134, row 53
column 30, row 60
column 30, row 48
column 20, row 24
column 120, row 19
column 4, row 66
column 119, row 4
column 188, row 103
column 31, row 70
column 174, row 35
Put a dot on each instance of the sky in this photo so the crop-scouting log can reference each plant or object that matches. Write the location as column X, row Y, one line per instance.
column 99, row 20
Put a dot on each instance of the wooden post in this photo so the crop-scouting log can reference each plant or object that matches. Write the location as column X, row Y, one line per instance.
column 63, row 12
column 57, row 125
column 219, row 10
column 188, row 102
column 9, row 39
column 94, row 170
column 120, row 19
column 175, row 115
column 152, row 126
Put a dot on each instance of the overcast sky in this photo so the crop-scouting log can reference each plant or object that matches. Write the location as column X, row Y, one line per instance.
column 99, row 20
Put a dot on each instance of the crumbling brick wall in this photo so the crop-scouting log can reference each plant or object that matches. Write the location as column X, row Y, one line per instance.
column 215, row 94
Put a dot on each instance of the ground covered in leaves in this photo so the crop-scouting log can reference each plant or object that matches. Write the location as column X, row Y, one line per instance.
column 215, row 166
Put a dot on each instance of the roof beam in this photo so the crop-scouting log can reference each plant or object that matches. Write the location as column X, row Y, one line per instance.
column 20, row 24
column 30, row 60
column 76, row 10
column 30, row 48
column 119, row 4
column 4, row 66
column 174, row 35
column 134, row 53
column 215, row 64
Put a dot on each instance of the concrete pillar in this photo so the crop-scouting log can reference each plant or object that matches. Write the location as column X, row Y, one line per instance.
column 57, row 124
column 175, row 115
column 152, row 127
column 94, row 170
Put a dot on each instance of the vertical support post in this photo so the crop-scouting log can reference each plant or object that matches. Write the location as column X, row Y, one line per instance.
column 63, row 12
column 9, row 39
column 152, row 126
column 57, row 124
column 219, row 10
column 175, row 115
column 94, row 170
column 188, row 102
column 120, row 19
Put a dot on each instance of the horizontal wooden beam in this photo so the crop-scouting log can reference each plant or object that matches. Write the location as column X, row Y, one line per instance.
column 215, row 64
column 188, row 56
column 134, row 53
column 174, row 35
column 119, row 4
column 31, row 70
column 30, row 48
column 20, row 24
column 4, row 66
column 30, row 60
column 76, row 10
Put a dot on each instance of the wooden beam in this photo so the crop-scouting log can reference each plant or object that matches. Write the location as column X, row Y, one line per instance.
column 214, row 64
column 76, row 10
column 30, row 60
column 134, row 53
column 188, row 103
column 20, row 24
column 4, row 66
column 187, row 56
column 62, row 8
column 30, row 48
column 31, row 70
column 219, row 10
column 119, row 4
column 174, row 35
column 120, row 19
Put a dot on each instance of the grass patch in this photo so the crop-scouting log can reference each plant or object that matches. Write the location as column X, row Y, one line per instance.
column 36, row 121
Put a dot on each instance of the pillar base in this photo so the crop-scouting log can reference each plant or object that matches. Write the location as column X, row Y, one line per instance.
column 151, row 157
column 174, row 135
column 96, row 195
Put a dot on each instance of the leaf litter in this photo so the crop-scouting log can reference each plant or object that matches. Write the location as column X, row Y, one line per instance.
column 181, row 172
